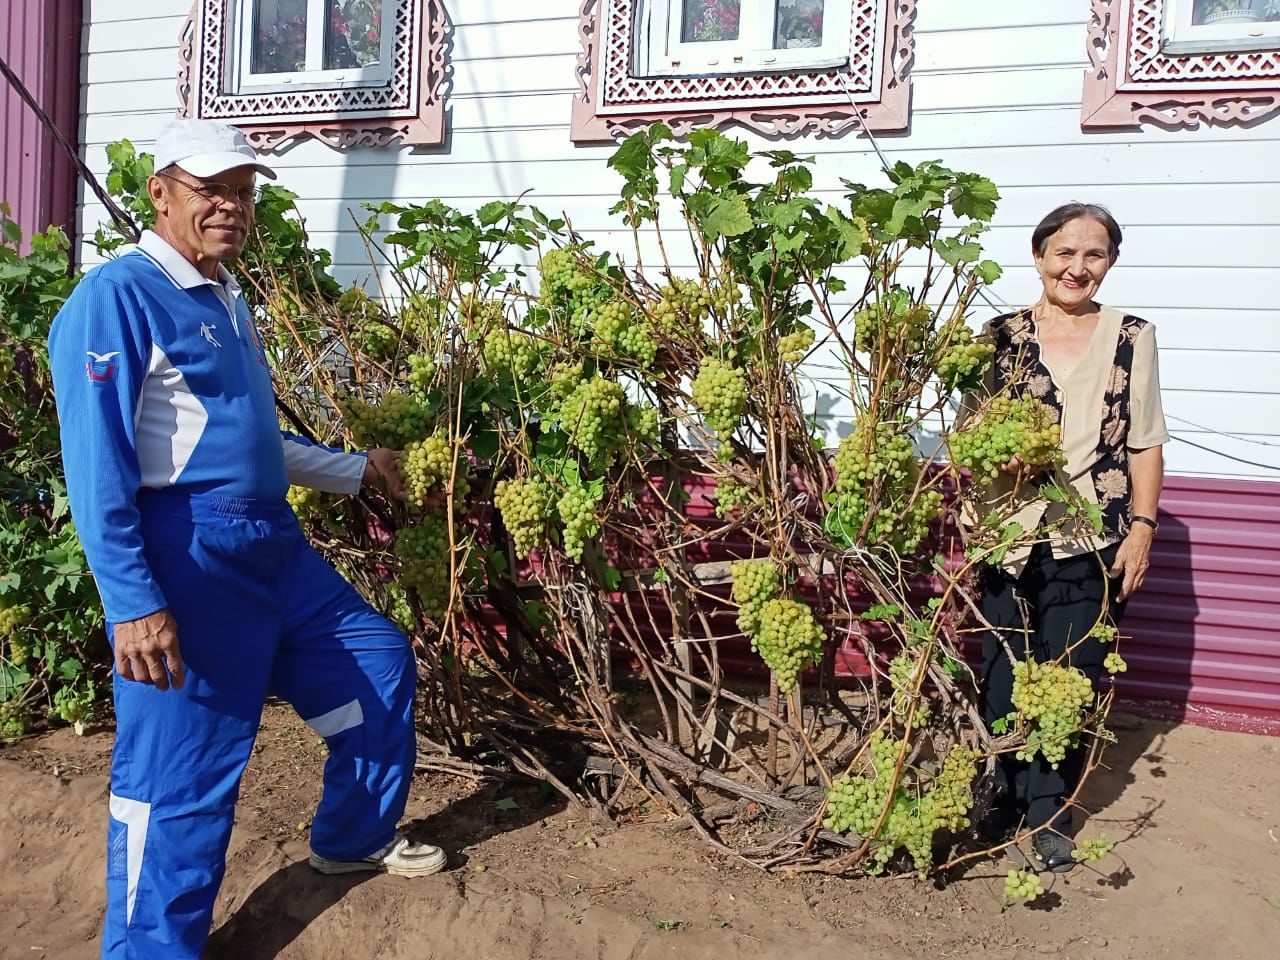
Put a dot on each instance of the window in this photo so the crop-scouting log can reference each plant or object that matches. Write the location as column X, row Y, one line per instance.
column 313, row 44
column 692, row 37
column 780, row 67
column 1213, row 26
column 1143, row 70
column 349, row 72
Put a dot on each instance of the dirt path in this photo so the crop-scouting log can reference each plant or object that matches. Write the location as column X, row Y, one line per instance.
column 1196, row 873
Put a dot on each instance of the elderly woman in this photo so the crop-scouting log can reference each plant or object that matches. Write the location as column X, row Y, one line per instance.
column 1096, row 368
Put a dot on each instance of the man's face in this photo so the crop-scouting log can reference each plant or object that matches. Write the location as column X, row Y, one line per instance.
column 206, row 220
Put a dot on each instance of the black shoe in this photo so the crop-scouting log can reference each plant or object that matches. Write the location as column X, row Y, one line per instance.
column 1054, row 851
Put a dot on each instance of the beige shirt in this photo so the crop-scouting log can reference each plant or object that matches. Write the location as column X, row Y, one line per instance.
column 1094, row 427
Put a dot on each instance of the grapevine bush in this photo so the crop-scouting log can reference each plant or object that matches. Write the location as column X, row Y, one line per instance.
column 575, row 592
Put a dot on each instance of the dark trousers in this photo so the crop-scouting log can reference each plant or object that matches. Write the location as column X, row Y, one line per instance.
column 1041, row 613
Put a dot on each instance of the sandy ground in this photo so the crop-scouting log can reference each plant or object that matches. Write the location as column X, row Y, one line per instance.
column 1196, row 872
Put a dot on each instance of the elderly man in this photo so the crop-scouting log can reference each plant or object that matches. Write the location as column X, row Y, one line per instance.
column 177, row 471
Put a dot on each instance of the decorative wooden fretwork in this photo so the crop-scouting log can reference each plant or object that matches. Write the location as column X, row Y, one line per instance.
column 613, row 101
column 408, row 108
column 1131, row 82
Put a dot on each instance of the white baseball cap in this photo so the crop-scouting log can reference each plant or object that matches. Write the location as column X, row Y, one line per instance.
column 206, row 148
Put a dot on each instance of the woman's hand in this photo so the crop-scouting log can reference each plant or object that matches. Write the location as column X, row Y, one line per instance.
column 1132, row 559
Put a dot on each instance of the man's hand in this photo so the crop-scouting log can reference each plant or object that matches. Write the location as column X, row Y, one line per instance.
column 147, row 651
column 1014, row 466
column 380, row 471
column 1132, row 559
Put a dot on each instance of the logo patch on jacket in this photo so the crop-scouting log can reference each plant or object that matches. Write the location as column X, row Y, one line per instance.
column 101, row 367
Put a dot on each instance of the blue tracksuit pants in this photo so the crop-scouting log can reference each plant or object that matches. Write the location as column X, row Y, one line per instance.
column 258, row 613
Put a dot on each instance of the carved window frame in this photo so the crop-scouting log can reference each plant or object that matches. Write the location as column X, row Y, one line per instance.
column 873, row 90
column 1131, row 81
column 408, row 109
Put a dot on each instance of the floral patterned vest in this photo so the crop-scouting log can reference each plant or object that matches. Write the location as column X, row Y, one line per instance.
column 1019, row 367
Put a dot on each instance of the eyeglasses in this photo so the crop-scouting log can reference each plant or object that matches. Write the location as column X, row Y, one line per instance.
column 217, row 194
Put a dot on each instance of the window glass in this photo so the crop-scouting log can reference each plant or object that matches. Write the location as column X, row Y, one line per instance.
column 279, row 36
column 799, row 24
column 353, row 34
column 1215, row 12
column 707, row 21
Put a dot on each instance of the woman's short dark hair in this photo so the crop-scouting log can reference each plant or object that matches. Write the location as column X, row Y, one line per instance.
column 1059, row 218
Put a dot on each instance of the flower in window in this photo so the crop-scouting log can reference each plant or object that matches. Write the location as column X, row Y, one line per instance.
column 717, row 20
column 800, row 23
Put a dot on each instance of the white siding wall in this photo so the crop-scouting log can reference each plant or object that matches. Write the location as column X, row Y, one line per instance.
column 997, row 90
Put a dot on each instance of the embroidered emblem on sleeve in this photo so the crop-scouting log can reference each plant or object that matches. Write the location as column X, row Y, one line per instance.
column 101, row 367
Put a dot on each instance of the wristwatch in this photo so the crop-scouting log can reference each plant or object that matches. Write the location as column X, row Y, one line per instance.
column 1136, row 518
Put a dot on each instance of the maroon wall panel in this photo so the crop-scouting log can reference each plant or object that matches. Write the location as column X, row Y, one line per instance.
column 40, row 40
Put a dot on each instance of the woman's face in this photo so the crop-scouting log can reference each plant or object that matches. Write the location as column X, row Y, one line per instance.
column 1075, row 260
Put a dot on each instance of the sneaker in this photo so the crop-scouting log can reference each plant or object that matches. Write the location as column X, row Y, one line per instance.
column 400, row 858
column 1054, row 851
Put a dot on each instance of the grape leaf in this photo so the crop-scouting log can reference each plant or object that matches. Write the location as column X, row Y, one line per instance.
column 728, row 217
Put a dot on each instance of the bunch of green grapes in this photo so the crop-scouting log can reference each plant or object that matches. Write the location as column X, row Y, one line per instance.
column 858, row 802
column 13, row 617
column 720, row 394
column 6, row 363
column 401, row 613
column 305, row 501
column 595, row 418
column 965, row 359
column 397, row 421
column 1093, row 849
column 422, row 372
column 374, row 336
column 1103, row 632
column 562, row 380
column 525, row 504
column 513, row 353
column 12, row 620
column 794, row 347
column 13, row 720
column 788, row 639
column 426, row 465
column 619, row 329
column 945, row 805
column 74, row 703
column 420, row 316
column 893, row 324
column 855, row 802
column 1022, row 885
column 643, row 424
column 570, row 289
column 725, row 294
column 1026, row 428
column 755, row 582
column 902, row 670
column 579, row 523
column 483, row 316
column 1053, row 697
column 732, row 496
column 876, row 469
column 423, row 551
column 1114, row 663
column 682, row 306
